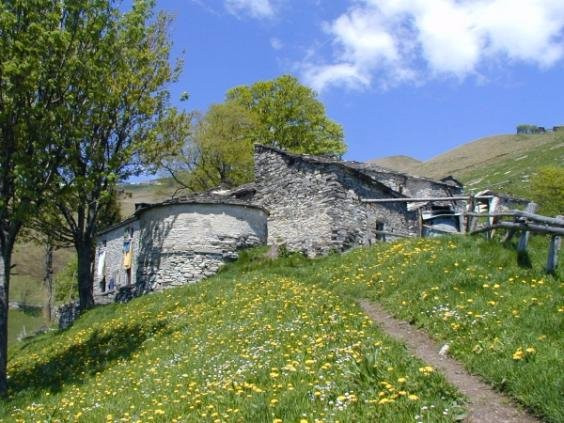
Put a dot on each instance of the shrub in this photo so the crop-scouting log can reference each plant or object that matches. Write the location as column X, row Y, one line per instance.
column 547, row 189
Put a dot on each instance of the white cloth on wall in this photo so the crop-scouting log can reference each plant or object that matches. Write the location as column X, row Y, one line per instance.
column 101, row 264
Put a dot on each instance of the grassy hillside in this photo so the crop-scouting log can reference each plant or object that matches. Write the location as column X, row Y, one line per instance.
column 153, row 192
column 244, row 346
column 513, row 174
column 503, row 163
column 401, row 163
column 484, row 153
column 267, row 340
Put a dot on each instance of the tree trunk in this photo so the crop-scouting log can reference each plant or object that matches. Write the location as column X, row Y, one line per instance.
column 5, row 264
column 84, row 255
column 48, row 281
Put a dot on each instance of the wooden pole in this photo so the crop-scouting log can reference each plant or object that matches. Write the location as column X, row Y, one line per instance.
column 524, row 239
column 523, row 227
column 469, row 214
column 553, row 252
column 418, row 199
column 461, row 223
column 554, row 221
column 474, row 220
column 420, row 219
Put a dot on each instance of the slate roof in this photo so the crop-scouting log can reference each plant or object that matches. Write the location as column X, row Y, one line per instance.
column 361, row 170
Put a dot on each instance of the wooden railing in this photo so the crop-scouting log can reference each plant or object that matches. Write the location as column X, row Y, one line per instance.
column 526, row 222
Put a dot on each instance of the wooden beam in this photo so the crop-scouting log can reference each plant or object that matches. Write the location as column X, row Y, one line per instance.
column 416, row 199
column 531, row 216
column 553, row 252
column 524, row 239
column 522, row 226
column 398, row 234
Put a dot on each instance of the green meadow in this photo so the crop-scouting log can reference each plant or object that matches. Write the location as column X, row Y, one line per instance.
column 284, row 341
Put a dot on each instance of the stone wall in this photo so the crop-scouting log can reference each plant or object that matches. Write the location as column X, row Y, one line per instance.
column 184, row 243
column 174, row 244
column 115, row 276
column 315, row 205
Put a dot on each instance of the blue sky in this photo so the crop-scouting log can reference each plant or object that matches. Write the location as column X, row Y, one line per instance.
column 413, row 77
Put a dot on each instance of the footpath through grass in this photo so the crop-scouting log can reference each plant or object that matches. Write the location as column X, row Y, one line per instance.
column 284, row 341
column 503, row 321
column 242, row 346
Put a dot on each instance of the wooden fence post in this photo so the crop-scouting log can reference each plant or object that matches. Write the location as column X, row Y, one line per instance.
column 524, row 240
column 553, row 252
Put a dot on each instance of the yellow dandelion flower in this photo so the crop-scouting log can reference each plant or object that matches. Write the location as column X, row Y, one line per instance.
column 518, row 355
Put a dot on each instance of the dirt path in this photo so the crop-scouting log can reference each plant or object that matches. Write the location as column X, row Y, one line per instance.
column 485, row 404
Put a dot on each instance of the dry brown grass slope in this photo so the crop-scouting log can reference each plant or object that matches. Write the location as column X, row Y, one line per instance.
column 401, row 163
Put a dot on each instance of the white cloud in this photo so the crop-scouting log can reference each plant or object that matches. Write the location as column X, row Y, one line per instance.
column 254, row 8
column 393, row 41
column 276, row 43
column 340, row 74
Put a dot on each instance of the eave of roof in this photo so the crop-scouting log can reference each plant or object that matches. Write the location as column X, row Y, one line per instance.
column 196, row 200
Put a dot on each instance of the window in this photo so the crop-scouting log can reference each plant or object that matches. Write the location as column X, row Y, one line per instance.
column 379, row 229
column 103, row 285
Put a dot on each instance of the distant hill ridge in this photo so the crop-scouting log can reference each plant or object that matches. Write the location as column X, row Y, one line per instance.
column 401, row 163
column 501, row 162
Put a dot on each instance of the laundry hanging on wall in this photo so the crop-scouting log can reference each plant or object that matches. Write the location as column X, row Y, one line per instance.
column 101, row 264
column 127, row 254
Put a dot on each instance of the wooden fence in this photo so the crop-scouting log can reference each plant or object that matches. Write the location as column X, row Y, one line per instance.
column 525, row 222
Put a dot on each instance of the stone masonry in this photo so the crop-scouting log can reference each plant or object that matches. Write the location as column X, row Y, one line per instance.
column 315, row 202
column 173, row 244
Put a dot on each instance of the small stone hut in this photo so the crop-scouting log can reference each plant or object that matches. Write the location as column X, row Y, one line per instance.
column 315, row 203
column 173, row 243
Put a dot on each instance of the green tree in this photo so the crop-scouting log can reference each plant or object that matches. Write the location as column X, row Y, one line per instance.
column 289, row 116
column 281, row 113
column 36, row 39
column 120, row 120
column 547, row 189
column 219, row 152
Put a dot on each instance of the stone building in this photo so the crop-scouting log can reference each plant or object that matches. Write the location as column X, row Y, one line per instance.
column 173, row 243
column 315, row 203
column 310, row 204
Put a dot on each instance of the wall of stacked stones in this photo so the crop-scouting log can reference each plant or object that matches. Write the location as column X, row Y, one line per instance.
column 113, row 268
column 299, row 201
column 174, row 245
column 316, row 208
column 184, row 243
column 356, row 223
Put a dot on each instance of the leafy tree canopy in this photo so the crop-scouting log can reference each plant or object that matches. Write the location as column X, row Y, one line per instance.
column 289, row 116
column 218, row 151
column 281, row 113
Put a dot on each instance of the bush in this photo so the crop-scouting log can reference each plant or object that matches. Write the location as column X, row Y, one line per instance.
column 547, row 189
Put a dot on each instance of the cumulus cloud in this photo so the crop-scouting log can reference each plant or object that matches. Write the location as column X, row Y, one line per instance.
column 254, row 8
column 394, row 41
